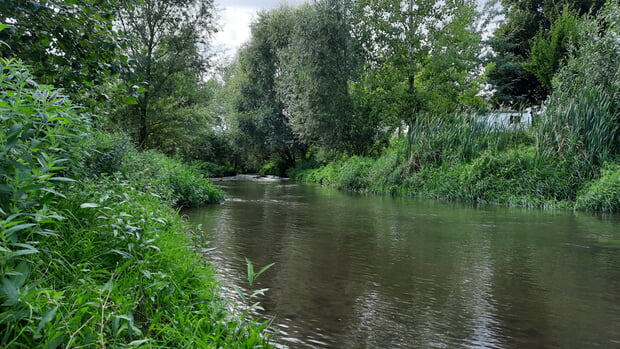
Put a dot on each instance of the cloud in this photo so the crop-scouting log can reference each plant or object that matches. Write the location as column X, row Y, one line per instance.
column 235, row 18
column 235, row 27
column 257, row 4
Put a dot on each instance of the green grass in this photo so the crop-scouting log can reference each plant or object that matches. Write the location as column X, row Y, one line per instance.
column 603, row 193
column 465, row 161
column 92, row 251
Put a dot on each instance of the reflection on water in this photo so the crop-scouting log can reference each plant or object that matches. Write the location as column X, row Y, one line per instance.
column 376, row 272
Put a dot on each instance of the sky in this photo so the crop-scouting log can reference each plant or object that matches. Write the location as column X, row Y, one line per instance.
column 236, row 16
column 235, row 19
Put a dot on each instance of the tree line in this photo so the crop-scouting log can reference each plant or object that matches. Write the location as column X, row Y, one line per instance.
column 318, row 81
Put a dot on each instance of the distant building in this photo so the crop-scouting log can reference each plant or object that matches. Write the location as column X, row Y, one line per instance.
column 507, row 119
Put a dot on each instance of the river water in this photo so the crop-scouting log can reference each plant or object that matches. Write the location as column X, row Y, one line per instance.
column 356, row 271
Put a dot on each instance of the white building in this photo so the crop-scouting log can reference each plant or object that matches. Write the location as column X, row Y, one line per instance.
column 507, row 119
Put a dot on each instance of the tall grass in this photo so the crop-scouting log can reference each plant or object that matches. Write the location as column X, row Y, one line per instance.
column 583, row 127
column 180, row 184
column 455, row 159
column 92, row 254
column 434, row 139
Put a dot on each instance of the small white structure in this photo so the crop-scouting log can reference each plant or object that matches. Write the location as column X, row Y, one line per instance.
column 507, row 119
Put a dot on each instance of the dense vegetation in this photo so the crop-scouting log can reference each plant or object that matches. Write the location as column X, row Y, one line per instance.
column 93, row 253
column 390, row 97
column 113, row 114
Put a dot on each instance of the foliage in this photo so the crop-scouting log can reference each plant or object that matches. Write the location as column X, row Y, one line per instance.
column 514, row 177
column 593, row 60
column 549, row 49
column 105, row 154
column 166, row 41
column 29, row 111
column 263, row 129
column 437, row 140
column 316, row 68
column 180, row 184
column 584, row 128
column 253, row 293
column 68, row 43
column 512, row 43
column 581, row 120
column 97, row 260
column 603, row 193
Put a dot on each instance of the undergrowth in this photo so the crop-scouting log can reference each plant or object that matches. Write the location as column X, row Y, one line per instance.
column 442, row 160
column 92, row 252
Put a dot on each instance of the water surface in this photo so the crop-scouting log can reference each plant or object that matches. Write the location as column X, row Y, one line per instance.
column 357, row 271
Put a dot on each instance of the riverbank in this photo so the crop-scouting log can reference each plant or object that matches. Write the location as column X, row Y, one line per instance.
column 516, row 174
column 93, row 252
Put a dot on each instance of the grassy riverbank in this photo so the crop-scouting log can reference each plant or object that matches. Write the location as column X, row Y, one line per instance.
column 464, row 161
column 93, row 253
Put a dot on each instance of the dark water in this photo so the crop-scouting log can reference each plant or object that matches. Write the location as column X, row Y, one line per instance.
column 376, row 272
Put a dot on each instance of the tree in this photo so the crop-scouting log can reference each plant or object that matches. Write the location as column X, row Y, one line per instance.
column 315, row 70
column 168, row 42
column 263, row 129
column 449, row 79
column 582, row 118
column 550, row 49
column 511, row 44
column 431, row 46
column 70, row 44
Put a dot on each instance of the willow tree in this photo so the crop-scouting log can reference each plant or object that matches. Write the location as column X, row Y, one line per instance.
column 317, row 66
column 262, row 129
column 167, row 42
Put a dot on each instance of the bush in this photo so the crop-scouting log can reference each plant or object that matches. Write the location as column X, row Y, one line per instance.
column 105, row 154
column 98, row 261
column 180, row 184
column 602, row 194
column 211, row 170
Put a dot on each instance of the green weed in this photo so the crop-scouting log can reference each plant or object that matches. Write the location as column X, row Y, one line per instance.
column 92, row 254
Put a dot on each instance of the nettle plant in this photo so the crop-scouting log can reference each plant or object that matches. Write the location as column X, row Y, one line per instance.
column 39, row 132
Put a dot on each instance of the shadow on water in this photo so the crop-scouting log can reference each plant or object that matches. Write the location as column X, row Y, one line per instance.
column 357, row 271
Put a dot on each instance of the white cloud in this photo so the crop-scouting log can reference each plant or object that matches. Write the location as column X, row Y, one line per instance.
column 235, row 19
column 235, row 27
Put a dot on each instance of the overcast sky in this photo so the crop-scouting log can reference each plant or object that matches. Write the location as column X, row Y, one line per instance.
column 235, row 19
column 236, row 16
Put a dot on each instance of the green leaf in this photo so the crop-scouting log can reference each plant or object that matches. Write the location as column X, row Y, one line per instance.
column 55, row 192
column 10, row 292
column 18, row 227
column 28, row 249
column 130, row 100
column 250, row 271
column 49, row 316
column 23, row 270
column 263, row 270
column 240, row 294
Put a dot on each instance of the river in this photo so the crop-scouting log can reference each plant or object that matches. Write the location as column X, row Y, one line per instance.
column 355, row 271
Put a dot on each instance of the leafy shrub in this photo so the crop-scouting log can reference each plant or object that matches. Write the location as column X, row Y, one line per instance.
column 273, row 168
column 211, row 170
column 171, row 180
column 106, row 153
column 602, row 194
column 99, row 261
column 40, row 130
column 517, row 176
